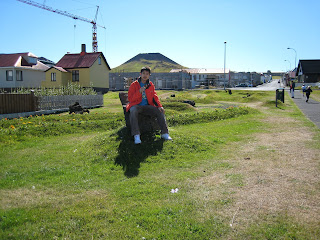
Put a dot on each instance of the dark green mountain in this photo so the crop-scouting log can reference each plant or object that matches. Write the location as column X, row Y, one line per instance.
column 156, row 61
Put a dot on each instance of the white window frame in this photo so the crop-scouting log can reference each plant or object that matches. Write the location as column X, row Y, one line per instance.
column 8, row 77
column 53, row 77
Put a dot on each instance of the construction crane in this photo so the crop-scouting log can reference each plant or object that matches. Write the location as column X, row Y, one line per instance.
column 64, row 13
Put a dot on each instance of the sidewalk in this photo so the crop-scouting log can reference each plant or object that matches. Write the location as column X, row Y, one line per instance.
column 311, row 109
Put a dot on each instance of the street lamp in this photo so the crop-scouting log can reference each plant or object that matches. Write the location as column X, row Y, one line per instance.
column 289, row 62
column 295, row 59
column 224, row 68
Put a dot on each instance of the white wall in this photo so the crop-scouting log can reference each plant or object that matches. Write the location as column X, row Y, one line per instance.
column 31, row 78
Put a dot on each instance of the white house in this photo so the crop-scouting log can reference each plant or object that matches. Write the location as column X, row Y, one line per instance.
column 21, row 70
column 207, row 76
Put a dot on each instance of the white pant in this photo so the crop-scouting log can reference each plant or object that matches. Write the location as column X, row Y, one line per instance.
column 292, row 93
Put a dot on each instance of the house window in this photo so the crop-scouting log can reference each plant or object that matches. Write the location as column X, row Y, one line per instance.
column 75, row 76
column 99, row 60
column 19, row 75
column 53, row 77
column 9, row 75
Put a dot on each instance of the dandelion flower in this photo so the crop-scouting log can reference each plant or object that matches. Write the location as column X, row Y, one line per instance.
column 12, row 127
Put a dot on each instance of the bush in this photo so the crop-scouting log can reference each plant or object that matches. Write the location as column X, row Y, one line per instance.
column 178, row 106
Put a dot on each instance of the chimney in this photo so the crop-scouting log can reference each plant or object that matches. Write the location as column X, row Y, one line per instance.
column 83, row 49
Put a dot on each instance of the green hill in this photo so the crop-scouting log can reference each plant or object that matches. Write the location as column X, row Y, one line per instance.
column 156, row 61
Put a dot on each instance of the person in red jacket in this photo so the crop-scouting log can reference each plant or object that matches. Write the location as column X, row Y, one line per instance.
column 143, row 98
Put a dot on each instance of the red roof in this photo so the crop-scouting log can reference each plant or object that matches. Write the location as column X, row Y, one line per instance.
column 79, row 60
column 20, row 60
column 10, row 60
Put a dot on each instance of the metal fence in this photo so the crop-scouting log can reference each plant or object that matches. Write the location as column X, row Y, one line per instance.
column 58, row 102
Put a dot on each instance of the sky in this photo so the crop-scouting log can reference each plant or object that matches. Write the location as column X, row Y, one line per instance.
column 191, row 33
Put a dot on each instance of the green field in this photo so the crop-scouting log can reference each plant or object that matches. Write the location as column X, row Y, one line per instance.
column 237, row 161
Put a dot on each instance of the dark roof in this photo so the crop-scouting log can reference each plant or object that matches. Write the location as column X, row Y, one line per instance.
column 46, row 61
column 80, row 60
column 309, row 66
column 10, row 60
column 21, row 60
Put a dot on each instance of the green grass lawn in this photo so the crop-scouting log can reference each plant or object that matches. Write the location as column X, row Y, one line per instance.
column 81, row 176
column 315, row 94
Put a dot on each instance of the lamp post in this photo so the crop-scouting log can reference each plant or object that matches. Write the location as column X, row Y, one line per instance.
column 289, row 63
column 224, row 68
column 295, row 59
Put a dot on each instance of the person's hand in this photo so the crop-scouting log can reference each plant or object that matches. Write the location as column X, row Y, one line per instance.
column 161, row 109
column 142, row 89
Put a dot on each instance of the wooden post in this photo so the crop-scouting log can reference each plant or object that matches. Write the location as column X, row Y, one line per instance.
column 33, row 102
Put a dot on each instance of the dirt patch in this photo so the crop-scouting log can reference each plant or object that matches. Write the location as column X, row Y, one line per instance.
column 165, row 95
column 280, row 175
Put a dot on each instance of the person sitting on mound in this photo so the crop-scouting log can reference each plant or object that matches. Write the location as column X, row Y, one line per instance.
column 144, row 99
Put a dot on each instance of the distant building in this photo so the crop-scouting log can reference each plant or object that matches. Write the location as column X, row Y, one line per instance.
column 308, row 71
column 219, row 77
column 46, row 61
column 21, row 70
column 248, row 78
column 206, row 76
column 177, row 81
column 86, row 69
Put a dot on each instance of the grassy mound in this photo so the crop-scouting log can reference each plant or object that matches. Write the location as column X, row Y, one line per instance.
column 53, row 125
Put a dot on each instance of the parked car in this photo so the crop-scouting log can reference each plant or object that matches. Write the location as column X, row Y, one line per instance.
column 242, row 85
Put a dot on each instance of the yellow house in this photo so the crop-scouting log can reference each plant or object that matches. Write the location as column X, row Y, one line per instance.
column 86, row 69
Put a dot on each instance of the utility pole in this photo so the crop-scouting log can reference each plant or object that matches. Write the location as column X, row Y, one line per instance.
column 295, row 58
column 224, row 68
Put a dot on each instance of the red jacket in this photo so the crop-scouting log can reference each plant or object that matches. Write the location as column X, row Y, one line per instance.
column 135, row 97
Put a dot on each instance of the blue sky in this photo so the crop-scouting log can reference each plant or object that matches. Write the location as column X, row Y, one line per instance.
column 192, row 33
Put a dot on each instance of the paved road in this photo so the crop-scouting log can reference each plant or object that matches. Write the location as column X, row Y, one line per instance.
column 272, row 86
column 311, row 108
